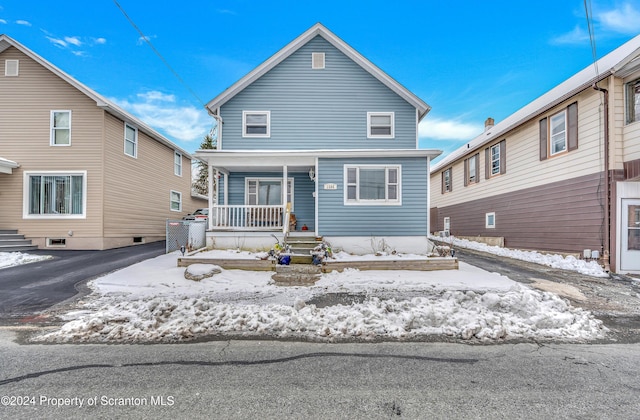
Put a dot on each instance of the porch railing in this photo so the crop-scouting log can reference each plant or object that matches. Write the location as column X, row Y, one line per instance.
column 246, row 217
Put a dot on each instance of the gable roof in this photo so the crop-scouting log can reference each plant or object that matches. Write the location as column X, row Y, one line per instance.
column 620, row 62
column 319, row 30
column 101, row 101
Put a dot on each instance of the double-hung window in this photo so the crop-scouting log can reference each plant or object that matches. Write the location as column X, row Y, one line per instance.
column 372, row 184
column 558, row 133
column 60, row 128
column 177, row 163
column 55, row 194
column 256, row 123
column 380, row 125
column 471, row 170
column 176, row 201
column 130, row 141
column 495, row 159
column 633, row 101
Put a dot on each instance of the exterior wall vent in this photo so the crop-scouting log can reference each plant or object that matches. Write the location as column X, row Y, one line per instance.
column 138, row 240
column 11, row 68
column 56, row 242
column 317, row 61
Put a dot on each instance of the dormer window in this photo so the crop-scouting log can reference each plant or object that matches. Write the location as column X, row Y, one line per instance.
column 317, row 61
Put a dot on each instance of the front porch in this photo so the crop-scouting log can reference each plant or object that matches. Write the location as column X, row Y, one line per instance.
column 248, row 218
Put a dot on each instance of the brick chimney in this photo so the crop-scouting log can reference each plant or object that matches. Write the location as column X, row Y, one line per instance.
column 488, row 124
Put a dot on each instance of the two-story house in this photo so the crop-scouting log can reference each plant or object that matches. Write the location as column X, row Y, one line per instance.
column 560, row 174
column 319, row 127
column 77, row 171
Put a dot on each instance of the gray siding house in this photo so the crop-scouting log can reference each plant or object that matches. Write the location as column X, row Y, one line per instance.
column 317, row 130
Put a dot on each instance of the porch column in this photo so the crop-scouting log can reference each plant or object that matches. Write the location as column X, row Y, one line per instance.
column 285, row 194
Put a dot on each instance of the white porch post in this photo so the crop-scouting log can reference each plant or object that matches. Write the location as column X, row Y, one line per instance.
column 285, row 194
column 210, row 175
column 226, row 188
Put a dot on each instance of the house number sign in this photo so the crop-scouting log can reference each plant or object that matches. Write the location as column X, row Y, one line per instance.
column 330, row 186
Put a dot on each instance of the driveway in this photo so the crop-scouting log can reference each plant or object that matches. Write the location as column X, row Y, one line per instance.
column 34, row 287
column 615, row 300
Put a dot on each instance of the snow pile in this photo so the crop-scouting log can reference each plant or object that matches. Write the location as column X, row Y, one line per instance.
column 152, row 302
column 590, row 268
column 9, row 259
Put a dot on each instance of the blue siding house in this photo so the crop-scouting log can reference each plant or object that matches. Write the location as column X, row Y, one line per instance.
column 319, row 131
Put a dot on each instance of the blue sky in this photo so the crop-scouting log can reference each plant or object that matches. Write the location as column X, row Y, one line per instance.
column 468, row 60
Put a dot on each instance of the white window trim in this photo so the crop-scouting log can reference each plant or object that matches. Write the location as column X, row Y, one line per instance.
column 447, row 184
column 446, row 224
column 495, row 146
column 177, row 163
column 566, row 126
column 258, row 179
column 379, row 136
column 244, row 124
column 386, row 202
column 487, row 216
column 9, row 65
column 627, row 102
column 171, row 200
column 25, row 195
column 135, row 141
column 52, row 137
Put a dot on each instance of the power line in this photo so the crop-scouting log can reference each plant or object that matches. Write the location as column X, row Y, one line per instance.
column 592, row 36
column 166, row 63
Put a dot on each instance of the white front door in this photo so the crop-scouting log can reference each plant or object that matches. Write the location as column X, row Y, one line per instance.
column 630, row 236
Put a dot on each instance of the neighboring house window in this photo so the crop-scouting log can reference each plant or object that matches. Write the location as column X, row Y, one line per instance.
column 11, row 68
column 54, row 195
column 60, row 128
column 447, row 181
column 372, row 184
column 177, row 163
column 317, row 61
column 447, row 224
column 490, row 220
column 130, row 141
column 559, row 132
column 380, row 125
column 472, row 170
column 256, row 123
column 267, row 191
column 633, row 101
column 495, row 157
column 176, row 201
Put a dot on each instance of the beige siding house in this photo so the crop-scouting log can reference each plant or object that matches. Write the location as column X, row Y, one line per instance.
column 76, row 171
column 561, row 174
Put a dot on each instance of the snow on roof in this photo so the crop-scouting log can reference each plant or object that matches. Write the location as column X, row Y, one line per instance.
column 619, row 61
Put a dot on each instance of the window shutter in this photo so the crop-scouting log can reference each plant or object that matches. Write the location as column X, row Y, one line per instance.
column 503, row 156
column 442, row 182
column 543, row 139
column 466, row 172
column 487, row 163
column 572, row 129
column 477, row 157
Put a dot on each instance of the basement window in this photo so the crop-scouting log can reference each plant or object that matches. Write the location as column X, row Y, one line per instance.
column 138, row 240
column 490, row 220
column 56, row 242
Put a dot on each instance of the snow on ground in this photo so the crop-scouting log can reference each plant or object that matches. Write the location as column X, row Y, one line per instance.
column 590, row 268
column 152, row 302
column 9, row 259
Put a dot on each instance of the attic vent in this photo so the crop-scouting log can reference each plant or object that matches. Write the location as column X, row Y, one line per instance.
column 317, row 60
column 11, row 67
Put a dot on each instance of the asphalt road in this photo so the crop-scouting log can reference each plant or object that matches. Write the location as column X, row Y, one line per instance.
column 269, row 380
column 27, row 289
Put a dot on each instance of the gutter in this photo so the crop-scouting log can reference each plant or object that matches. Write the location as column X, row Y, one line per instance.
column 607, row 208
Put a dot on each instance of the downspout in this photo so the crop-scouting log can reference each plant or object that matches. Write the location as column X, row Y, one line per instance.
column 607, row 208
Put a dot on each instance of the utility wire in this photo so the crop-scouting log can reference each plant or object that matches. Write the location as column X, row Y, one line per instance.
column 592, row 36
column 166, row 63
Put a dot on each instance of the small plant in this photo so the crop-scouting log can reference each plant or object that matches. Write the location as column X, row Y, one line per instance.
column 380, row 247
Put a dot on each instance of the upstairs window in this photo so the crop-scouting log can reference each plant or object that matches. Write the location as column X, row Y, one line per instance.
column 177, row 163
column 633, row 101
column 447, row 182
column 256, row 123
column 380, row 125
column 374, row 185
column 495, row 157
column 317, row 61
column 11, row 68
column 60, row 128
column 559, row 132
column 471, row 170
column 130, row 141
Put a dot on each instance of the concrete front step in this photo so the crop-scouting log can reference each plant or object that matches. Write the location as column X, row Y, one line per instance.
column 17, row 248
column 8, row 232
column 296, row 275
column 11, row 241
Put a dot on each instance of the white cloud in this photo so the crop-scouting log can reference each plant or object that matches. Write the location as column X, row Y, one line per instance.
column 441, row 129
column 184, row 123
column 23, row 22
column 73, row 40
column 624, row 20
column 57, row 42
column 99, row 41
column 3, row 21
column 146, row 38
column 577, row 36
